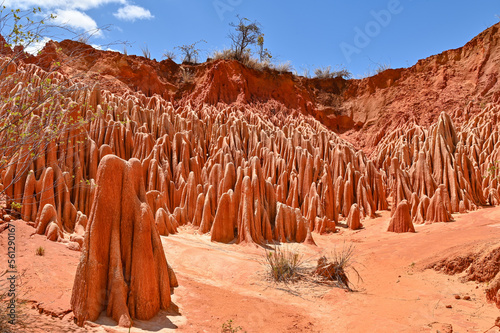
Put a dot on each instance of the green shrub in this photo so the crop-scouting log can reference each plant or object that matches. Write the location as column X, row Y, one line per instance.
column 227, row 327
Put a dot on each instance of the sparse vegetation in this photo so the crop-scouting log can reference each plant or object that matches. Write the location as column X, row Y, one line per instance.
column 493, row 170
column 306, row 72
column 40, row 251
column 145, row 52
column 16, row 206
column 227, row 327
column 246, row 59
column 338, row 267
column 190, row 52
column 264, row 54
column 225, row 54
column 283, row 67
column 328, row 73
column 187, row 75
column 84, row 38
column 246, row 35
column 284, row 264
column 169, row 55
column 38, row 111
column 382, row 67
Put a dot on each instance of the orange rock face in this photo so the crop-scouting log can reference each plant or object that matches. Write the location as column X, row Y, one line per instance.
column 401, row 220
column 247, row 157
column 123, row 269
column 240, row 172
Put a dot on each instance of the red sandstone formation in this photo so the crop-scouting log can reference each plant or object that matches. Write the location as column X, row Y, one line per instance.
column 243, row 163
column 351, row 107
column 233, row 171
column 354, row 218
column 236, row 171
column 401, row 220
column 122, row 269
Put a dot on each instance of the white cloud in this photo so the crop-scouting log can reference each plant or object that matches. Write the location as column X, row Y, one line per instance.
column 77, row 20
column 35, row 47
column 72, row 13
column 132, row 13
column 60, row 4
column 99, row 47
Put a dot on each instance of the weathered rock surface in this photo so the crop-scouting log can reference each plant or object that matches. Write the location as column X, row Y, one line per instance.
column 123, row 269
column 193, row 150
column 401, row 220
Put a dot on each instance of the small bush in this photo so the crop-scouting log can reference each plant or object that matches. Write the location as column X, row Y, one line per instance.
column 283, row 67
column 382, row 67
column 256, row 64
column 169, row 55
column 328, row 73
column 145, row 52
column 225, row 54
column 246, row 59
column 337, row 267
column 227, row 327
column 284, row 264
column 187, row 75
column 40, row 251
column 15, row 206
column 190, row 52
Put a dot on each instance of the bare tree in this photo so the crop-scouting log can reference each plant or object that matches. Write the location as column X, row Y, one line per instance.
column 190, row 52
column 246, row 34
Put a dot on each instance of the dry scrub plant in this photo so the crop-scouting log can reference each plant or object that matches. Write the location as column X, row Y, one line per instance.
column 40, row 251
column 284, row 264
column 227, row 327
column 328, row 73
column 338, row 267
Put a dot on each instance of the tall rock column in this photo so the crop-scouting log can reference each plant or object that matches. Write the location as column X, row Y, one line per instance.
column 123, row 268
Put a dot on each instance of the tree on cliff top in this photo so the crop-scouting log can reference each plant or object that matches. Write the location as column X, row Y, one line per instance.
column 246, row 34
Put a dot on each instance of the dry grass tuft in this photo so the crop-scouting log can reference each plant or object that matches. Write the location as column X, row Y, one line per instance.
column 40, row 251
column 338, row 267
column 284, row 264
column 187, row 75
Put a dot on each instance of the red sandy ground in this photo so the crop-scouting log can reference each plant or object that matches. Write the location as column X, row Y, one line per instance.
column 219, row 282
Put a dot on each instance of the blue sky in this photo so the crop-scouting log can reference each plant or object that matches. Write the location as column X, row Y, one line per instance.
column 358, row 35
